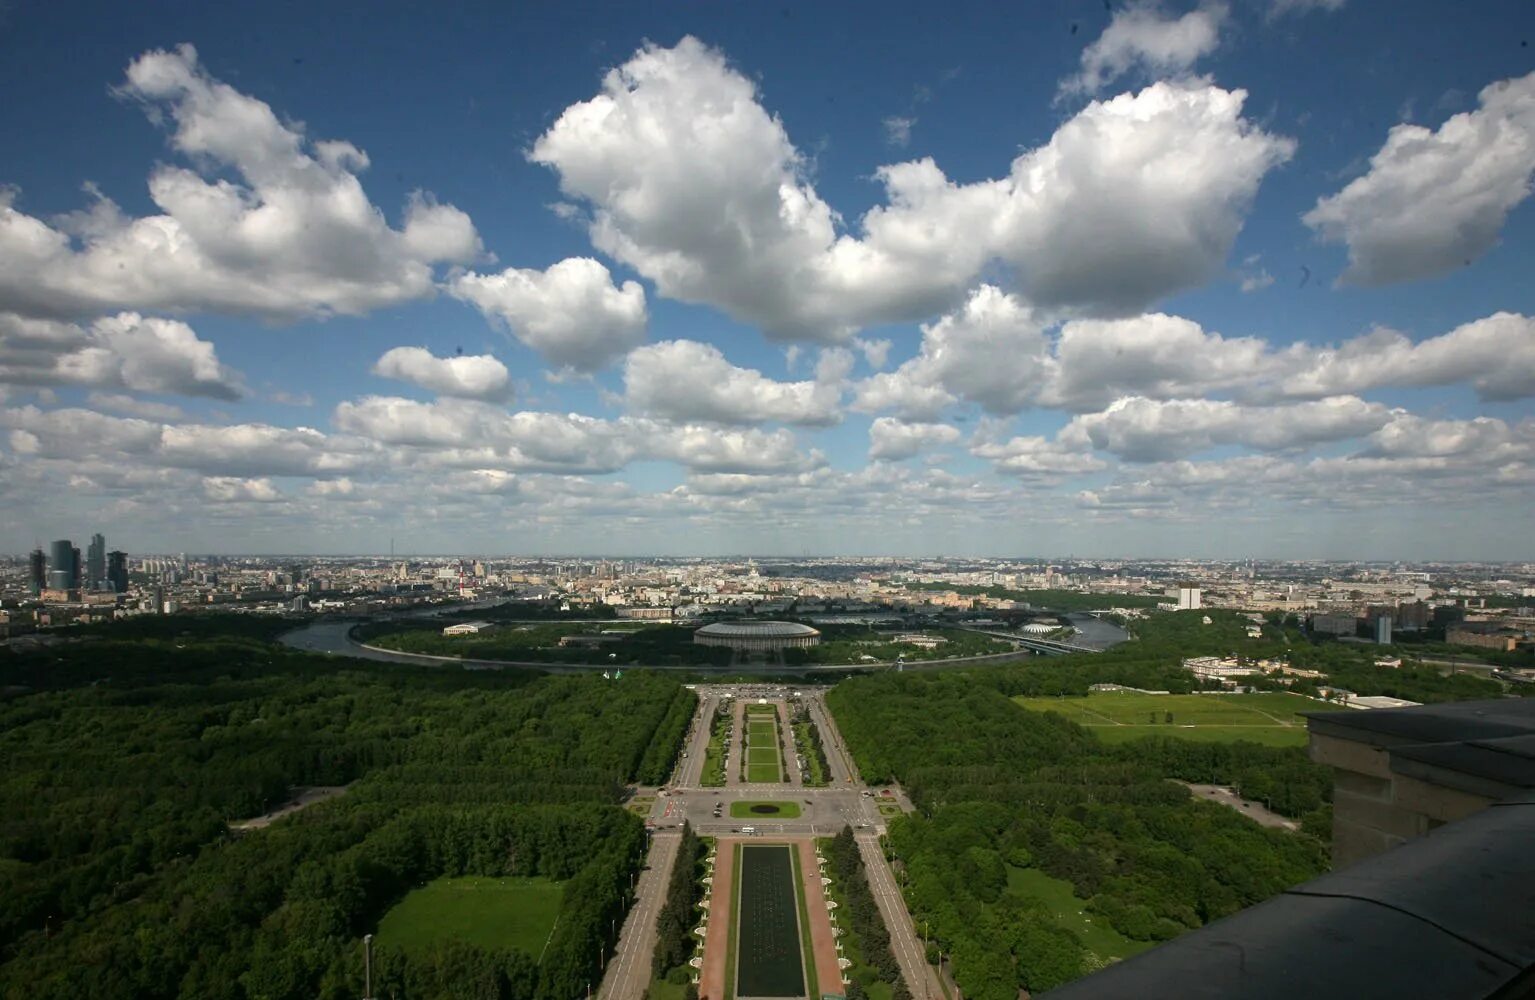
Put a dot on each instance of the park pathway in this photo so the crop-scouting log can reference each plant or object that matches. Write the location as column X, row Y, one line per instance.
column 786, row 745
column 628, row 975
column 823, row 941
column 711, row 984
column 737, row 753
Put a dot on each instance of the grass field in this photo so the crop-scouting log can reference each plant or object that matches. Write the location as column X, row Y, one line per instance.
column 1117, row 716
column 764, row 810
column 763, row 773
column 1070, row 912
column 490, row 912
column 769, row 962
column 764, row 758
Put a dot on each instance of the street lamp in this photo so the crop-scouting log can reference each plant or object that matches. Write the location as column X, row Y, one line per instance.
column 367, row 967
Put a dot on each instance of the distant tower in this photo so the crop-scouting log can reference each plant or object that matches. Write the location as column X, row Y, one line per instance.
column 1383, row 630
column 96, row 563
column 61, row 559
column 117, row 572
column 38, row 564
column 1188, row 597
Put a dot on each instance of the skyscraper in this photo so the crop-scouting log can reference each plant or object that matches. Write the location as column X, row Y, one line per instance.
column 117, row 572
column 61, row 562
column 39, row 571
column 96, row 563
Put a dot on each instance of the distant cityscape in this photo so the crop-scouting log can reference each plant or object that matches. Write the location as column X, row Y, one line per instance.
column 1475, row 606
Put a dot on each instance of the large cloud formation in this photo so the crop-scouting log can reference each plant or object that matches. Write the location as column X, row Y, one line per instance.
column 1435, row 201
column 125, row 351
column 295, row 237
column 696, row 186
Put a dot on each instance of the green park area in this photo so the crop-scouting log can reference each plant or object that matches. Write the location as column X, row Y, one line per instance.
column 1070, row 912
column 1271, row 719
column 764, row 758
column 714, row 755
column 764, row 810
column 494, row 913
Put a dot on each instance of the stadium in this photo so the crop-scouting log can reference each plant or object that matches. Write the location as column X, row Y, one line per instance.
column 757, row 637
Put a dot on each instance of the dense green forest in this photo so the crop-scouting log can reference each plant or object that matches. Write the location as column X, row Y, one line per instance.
column 126, row 761
column 998, row 786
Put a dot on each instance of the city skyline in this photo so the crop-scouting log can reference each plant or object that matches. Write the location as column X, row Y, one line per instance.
column 1106, row 284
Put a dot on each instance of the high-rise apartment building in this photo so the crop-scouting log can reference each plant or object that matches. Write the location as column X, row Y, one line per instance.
column 61, row 563
column 117, row 572
column 38, row 567
column 96, row 563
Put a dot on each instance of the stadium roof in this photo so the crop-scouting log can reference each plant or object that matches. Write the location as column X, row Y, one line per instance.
column 757, row 630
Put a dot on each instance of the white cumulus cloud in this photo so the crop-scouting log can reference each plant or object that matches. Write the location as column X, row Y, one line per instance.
column 125, row 351
column 572, row 314
column 695, row 185
column 1142, row 35
column 1433, row 201
column 1145, row 430
column 685, row 380
column 294, row 236
column 478, row 376
column 892, row 439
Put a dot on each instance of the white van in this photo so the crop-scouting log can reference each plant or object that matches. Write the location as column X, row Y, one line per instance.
column 748, row 829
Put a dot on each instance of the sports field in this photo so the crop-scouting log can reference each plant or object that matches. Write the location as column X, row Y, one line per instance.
column 764, row 810
column 1117, row 716
column 764, row 759
column 490, row 912
column 769, row 961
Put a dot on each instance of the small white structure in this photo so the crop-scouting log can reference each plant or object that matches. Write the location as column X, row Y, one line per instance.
column 468, row 628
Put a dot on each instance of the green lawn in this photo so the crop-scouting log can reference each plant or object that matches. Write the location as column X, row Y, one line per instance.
column 763, row 760
column 490, row 912
column 1117, row 716
column 764, row 773
column 1070, row 912
column 781, row 810
column 756, row 709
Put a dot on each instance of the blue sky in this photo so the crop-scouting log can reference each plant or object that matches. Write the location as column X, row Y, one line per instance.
column 1227, row 279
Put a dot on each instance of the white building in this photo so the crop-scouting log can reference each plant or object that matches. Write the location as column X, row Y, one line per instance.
column 1188, row 597
column 468, row 628
column 1214, row 667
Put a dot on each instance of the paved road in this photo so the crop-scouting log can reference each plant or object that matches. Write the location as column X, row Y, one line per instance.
column 628, row 975
column 690, row 769
column 904, row 940
column 841, row 762
column 1229, row 798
